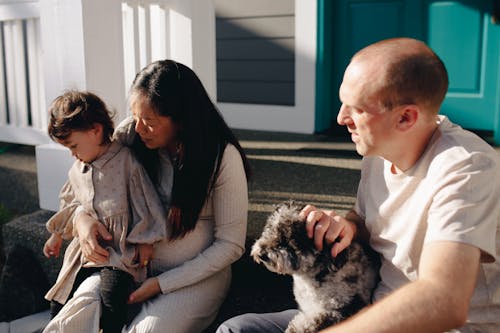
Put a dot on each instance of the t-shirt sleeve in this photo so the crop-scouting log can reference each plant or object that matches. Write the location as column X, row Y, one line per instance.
column 465, row 205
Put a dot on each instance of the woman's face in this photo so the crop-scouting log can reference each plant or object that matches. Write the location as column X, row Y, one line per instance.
column 156, row 131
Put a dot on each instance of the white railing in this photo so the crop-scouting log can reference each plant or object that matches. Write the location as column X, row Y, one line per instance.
column 22, row 101
column 47, row 46
column 150, row 32
column 146, row 32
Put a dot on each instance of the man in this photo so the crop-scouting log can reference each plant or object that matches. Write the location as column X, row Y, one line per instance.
column 427, row 202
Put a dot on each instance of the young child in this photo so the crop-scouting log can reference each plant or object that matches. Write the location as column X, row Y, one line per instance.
column 101, row 182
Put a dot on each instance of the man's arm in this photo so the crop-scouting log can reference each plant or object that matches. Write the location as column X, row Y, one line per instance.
column 438, row 301
column 362, row 235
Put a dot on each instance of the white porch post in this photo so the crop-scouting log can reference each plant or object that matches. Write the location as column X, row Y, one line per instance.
column 193, row 39
column 82, row 49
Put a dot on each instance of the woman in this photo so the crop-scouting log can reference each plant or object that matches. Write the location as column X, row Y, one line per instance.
column 200, row 172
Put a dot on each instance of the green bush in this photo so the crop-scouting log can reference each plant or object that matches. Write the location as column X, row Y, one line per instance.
column 5, row 214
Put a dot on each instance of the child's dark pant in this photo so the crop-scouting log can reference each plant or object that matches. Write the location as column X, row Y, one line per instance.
column 115, row 288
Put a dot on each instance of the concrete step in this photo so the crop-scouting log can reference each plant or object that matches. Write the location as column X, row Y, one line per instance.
column 18, row 180
column 253, row 287
column 29, row 231
column 29, row 324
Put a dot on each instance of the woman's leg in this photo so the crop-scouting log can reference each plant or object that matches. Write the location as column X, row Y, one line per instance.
column 116, row 285
column 275, row 322
column 187, row 310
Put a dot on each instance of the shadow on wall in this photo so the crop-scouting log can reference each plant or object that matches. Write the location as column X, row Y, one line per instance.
column 255, row 52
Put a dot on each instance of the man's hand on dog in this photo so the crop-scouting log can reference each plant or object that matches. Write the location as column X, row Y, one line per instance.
column 326, row 227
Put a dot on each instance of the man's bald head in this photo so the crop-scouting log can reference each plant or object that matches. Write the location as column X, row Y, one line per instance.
column 406, row 71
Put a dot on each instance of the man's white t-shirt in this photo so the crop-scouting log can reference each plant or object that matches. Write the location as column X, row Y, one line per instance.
column 452, row 194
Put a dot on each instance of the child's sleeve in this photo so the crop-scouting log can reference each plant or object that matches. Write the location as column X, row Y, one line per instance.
column 62, row 222
column 149, row 218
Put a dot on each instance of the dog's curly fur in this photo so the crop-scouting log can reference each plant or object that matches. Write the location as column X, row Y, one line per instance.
column 326, row 289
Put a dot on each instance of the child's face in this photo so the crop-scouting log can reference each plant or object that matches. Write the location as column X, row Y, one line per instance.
column 85, row 145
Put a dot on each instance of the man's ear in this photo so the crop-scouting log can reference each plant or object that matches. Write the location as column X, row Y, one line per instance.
column 408, row 117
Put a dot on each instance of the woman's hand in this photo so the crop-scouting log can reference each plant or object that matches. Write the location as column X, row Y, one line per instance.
column 144, row 254
column 326, row 227
column 148, row 289
column 89, row 230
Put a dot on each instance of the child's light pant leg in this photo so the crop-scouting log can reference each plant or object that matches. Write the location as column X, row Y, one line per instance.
column 82, row 312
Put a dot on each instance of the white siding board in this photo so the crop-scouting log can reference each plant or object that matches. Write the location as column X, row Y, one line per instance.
column 255, row 70
column 249, row 27
column 234, row 8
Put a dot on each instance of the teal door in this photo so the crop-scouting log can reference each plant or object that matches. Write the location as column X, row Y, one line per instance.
column 462, row 33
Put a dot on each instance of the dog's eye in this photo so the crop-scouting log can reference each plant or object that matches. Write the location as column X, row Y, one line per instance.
column 264, row 257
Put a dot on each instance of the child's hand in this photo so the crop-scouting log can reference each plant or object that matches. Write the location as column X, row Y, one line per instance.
column 53, row 246
column 145, row 254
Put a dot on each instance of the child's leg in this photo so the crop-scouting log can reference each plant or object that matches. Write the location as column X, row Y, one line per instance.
column 116, row 286
column 55, row 307
column 82, row 275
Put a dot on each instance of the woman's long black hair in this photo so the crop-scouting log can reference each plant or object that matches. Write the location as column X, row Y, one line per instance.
column 174, row 90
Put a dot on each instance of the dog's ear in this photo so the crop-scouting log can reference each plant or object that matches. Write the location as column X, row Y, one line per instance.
column 325, row 259
column 299, row 234
column 341, row 259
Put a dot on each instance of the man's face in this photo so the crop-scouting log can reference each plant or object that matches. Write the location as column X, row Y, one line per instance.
column 361, row 111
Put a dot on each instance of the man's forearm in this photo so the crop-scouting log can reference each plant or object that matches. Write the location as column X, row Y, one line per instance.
column 412, row 308
column 437, row 302
column 362, row 234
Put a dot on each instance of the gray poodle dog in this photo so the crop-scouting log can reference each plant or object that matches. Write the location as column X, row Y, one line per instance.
column 326, row 289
